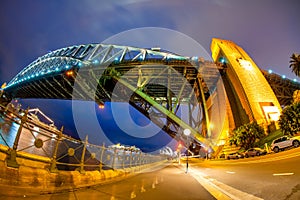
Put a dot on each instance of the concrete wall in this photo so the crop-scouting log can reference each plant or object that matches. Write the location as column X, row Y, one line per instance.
column 33, row 176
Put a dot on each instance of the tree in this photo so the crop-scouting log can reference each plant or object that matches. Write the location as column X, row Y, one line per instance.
column 246, row 135
column 289, row 120
column 295, row 64
column 296, row 96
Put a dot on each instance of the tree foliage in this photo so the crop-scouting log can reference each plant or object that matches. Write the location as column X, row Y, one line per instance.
column 295, row 64
column 296, row 96
column 289, row 120
column 246, row 135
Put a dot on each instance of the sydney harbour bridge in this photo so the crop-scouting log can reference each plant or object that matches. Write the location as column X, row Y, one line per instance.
column 218, row 96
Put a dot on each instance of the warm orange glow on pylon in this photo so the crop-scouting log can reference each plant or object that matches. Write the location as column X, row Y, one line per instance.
column 3, row 85
column 101, row 106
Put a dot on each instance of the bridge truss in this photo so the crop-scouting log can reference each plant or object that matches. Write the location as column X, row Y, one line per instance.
column 156, row 83
column 282, row 87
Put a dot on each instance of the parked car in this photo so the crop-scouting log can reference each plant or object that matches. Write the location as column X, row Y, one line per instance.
column 235, row 155
column 284, row 142
column 255, row 152
column 222, row 156
column 241, row 155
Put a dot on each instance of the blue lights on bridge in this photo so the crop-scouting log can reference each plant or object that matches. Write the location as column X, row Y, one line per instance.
column 222, row 60
column 80, row 64
column 270, row 71
column 96, row 62
column 61, row 60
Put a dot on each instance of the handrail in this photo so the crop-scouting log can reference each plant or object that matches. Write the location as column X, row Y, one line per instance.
column 62, row 152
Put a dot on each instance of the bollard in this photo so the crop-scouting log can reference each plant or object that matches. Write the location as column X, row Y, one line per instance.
column 53, row 167
column 11, row 160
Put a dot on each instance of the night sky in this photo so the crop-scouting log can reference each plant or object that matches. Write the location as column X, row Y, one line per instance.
column 268, row 31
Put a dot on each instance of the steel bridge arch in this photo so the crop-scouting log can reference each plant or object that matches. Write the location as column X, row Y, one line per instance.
column 47, row 77
column 97, row 68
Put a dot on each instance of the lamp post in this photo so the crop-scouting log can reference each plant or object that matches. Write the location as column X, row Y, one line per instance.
column 187, row 133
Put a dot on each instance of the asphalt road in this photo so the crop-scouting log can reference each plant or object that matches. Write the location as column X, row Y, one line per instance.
column 274, row 176
column 169, row 182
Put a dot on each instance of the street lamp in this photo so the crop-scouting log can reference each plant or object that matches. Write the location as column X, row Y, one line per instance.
column 187, row 133
column 179, row 152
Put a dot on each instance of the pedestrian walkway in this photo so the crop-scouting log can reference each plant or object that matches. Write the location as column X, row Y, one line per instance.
column 169, row 182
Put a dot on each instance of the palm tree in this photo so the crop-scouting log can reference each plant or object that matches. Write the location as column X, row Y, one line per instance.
column 295, row 64
column 296, row 96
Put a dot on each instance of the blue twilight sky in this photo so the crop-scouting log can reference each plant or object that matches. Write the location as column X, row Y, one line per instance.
column 267, row 29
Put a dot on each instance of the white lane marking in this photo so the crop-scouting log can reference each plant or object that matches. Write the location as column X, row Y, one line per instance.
column 229, row 172
column 284, row 174
column 228, row 192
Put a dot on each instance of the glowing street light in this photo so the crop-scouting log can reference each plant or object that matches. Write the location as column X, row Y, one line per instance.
column 101, row 106
column 187, row 133
column 69, row 73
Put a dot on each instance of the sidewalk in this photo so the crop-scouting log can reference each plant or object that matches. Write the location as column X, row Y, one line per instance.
column 169, row 182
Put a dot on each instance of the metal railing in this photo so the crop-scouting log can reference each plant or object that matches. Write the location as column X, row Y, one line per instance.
column 20, row 133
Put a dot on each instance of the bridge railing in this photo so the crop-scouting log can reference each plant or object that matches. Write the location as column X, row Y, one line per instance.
column 20, row 132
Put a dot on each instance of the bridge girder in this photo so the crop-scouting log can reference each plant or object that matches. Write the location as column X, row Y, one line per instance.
column 282, row 87
column 159, row 79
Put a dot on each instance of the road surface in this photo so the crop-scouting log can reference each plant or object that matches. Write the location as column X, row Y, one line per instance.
column 169, row 182
column 274, row 177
